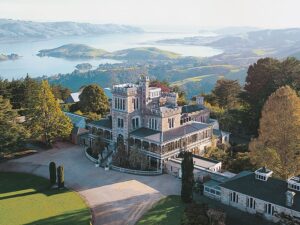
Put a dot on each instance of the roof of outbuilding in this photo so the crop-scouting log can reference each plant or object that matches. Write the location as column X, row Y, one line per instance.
column 106, row 123
column 220, row 133
column 75, row 96
column 77, row 120
column 273, row 190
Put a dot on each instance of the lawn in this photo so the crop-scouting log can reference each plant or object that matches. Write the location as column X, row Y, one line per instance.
column 168, row 211
column 27, row 199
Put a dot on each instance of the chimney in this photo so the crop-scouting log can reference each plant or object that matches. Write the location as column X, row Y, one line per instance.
column 263, row 174
column 289, row 198
column 294, row 183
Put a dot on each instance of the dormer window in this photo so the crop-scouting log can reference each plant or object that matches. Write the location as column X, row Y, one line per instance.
column 294, row 183
column 263, row 174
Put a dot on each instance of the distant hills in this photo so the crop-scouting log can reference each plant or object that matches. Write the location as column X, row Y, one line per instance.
column 275, row 43
column 75, row 51
column 11, row 30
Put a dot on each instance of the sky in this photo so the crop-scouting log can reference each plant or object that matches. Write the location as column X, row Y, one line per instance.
column 189, row 13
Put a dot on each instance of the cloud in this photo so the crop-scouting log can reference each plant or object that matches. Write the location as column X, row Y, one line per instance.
column 200, row 13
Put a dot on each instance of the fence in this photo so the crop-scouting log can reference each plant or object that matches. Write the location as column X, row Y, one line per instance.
column 136, row 172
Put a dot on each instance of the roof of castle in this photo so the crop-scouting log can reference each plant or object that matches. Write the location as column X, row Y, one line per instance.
column 192, row 108
column 156, row 136
column 273, row 190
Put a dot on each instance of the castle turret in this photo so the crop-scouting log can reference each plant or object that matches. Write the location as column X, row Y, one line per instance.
column 144, row 83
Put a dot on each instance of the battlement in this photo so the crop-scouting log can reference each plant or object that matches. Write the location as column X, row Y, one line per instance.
column 125, row 89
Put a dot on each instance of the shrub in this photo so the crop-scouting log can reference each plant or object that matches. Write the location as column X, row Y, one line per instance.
column 60, row 177
column 195, row 214
column 52, row 172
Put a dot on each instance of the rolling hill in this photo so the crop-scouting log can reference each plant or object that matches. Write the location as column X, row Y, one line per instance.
column 12, row 30
column 72, row 51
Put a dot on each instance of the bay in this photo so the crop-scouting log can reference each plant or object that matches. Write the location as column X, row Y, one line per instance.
column 39, row 66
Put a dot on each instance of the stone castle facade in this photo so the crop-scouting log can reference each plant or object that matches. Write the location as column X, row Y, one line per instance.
column 145, row 116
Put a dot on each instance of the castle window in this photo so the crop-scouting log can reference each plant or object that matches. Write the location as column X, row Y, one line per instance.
column 135, row 102
column 269, row 209
column 171, row 122
column 250, row 203
column 123, row 104
column 153, row 124
column 120, row 123
column 234, row 197
column 135, row 122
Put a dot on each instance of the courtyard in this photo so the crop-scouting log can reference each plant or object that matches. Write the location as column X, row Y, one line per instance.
column 114, row 198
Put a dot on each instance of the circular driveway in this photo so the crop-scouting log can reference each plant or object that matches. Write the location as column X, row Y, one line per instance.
column 114, row 198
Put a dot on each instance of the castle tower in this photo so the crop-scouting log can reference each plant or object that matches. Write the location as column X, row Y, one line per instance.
column 144, row 83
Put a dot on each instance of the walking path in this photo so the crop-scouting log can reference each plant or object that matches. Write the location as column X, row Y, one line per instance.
column 114, row 198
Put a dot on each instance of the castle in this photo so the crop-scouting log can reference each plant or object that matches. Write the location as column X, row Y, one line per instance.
column 145, row 116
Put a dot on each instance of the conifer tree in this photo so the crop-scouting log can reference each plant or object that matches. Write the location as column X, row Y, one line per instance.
column 12, row 133
column 278, row 143
column 46, row 119
column 187, row 180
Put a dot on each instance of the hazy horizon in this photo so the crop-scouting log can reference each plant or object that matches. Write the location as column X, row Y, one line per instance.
column 188, row 14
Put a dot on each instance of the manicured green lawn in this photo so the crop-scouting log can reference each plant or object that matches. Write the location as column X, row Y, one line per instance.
column 27, row 199
column 168, row 211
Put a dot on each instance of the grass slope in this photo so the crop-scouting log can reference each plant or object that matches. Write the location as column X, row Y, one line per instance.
column 145, row 53
column 27, row 199
column 73, row 51
column 168, row 211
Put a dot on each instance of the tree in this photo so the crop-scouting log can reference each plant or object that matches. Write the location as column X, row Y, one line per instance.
column 52, row 172
column 31, row 88
column 187, row 180
column 277, row 145
column 120, row 158
column 93, row 99
column 263, row 78
column 60, row 92
column 12, row 133
column 98, row 147
column 227, row 93
column 60, row 177
column 137, row 160
column 45, row 119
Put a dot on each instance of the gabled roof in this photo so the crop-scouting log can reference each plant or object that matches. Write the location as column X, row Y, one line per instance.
column 105, row 123
column 77, row 120
column 75, row 96
column 273, row 190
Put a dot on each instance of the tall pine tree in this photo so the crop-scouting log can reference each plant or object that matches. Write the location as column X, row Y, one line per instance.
column 46, row 119
column 278, row 143
column 187, row 180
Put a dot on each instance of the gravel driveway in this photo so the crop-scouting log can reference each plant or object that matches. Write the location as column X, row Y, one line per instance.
column 115, row 198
